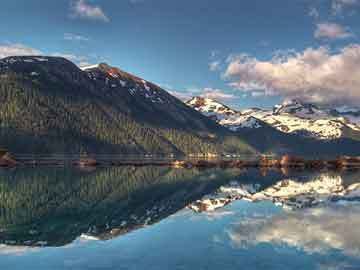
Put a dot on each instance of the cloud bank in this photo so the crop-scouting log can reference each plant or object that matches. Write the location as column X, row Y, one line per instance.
column 84, row 10
column 207, row 92
column 16, row 50
column 314, row 75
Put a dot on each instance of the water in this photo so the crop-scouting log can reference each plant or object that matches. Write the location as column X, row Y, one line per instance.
column 137, row 218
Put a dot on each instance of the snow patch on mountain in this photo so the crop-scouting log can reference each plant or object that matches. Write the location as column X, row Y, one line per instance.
column 236, row 122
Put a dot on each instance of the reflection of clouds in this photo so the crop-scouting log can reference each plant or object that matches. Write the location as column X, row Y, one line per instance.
column 313, row 230
column 16, row 250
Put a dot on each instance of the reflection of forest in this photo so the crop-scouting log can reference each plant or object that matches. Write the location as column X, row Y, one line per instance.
column 56, row 205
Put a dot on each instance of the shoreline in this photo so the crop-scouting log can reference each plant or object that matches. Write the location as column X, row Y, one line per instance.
column 262, row 162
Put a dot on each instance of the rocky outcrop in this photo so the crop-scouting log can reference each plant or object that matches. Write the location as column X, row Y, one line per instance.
column 7, row 161
column 86, row 162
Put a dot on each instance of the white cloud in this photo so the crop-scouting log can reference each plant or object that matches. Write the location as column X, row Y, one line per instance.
column 71, row 57
column 214, row 65
column 80, row 60
column 75, row 37
column 314, row 13
column 82, row 9
column 7, row 50
column 184, row 96
column 207, row 92
column 214, row 53
column 338, row 6
column 314, row 75
column 216, row 94
column 257, row 94
column 328, row 30
column 17, row 50
column 215, row 60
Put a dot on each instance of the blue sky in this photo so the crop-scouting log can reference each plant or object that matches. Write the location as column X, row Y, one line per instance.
column 201, row 47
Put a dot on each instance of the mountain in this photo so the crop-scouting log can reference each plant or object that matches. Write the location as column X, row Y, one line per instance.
column 291, row 127
column 299, row 109
column 222, row 114
column 49, row 105
column 211, row 108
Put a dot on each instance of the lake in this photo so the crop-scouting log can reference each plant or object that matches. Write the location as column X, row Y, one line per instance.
column 158, row 218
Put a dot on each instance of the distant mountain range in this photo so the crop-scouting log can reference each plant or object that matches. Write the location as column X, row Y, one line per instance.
column 49, row 105
column 292, row 127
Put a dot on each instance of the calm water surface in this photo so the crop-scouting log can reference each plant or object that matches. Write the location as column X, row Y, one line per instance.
column 161, row 218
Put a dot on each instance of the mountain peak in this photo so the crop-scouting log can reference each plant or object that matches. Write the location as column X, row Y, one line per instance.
column 208, row 105
column 298, row 108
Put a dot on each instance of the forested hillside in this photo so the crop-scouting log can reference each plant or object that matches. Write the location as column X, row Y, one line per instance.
column 49, row 105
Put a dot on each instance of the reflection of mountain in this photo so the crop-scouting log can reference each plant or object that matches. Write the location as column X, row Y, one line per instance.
column 293, row 192
column 54, row 206
column 318, row 229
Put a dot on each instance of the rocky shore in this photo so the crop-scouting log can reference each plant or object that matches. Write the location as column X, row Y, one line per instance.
column 262, row 162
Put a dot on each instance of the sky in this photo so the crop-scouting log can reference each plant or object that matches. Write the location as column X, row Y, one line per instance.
column 248, row 53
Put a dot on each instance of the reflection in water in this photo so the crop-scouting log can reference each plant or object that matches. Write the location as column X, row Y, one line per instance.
column 290, row 193
column 41, row 207
column 315, row 226
column 319, row 229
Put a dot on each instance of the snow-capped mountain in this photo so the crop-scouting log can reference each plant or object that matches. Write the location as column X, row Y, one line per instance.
column 211, row 108
column 292, row 117
column 223, row 114
column 303, row 110
column 99, row 109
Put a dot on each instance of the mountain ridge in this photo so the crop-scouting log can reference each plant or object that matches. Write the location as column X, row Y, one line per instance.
column 289, row 128
column 52, row 106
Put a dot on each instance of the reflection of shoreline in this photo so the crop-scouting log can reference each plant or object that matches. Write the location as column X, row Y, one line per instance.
column 208, row 160
column 288, row 193
column 314, row 230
